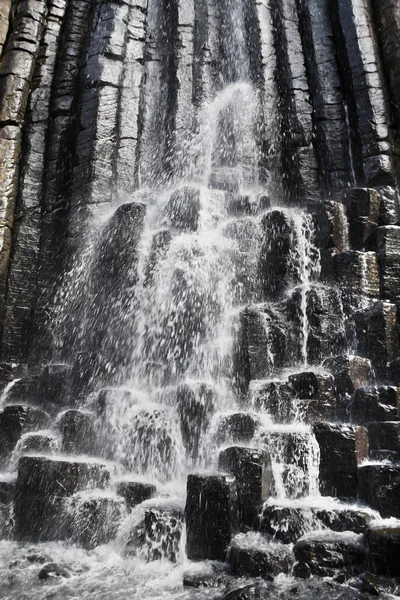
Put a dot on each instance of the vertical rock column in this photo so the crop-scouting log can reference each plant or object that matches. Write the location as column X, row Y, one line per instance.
column 299, row 161
column 332, row 138
column 25, row 256
column 17, row 68
column 363, row 75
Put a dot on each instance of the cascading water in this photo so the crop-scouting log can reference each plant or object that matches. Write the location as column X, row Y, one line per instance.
column 198, row 323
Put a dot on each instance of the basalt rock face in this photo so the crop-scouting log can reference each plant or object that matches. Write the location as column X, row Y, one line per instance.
column 200, row 265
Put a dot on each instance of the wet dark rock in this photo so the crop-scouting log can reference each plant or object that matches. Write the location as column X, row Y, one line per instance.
column 211, row 516
column 377, row 586
column 212, row 575
column 78, row 432
column 276, row 262
column 248, row 592
column 259, row 329
column 345, row 519
column 275, row 399
column 310, row 385
column 24, row 390
column 377, row 336
column 7, row 491
column 302, row 570
column 342, row 448
column 195, row 404
column 389, row 213
column 53, row 570
column 388, row 253
column 135, row 492
column 383, row 549
column 374, row 404
column 45, row 476
column 239, row 427
column 265, row 562
column 16, row 420
column 379, row 486
column 36, row 443
column 183, row 208
column 285, row 523
column 363, row 205
column 350, row 373
column 358, row 275
column 53, row 388
column 326, row 553
column 252, row 470
column 384, row 436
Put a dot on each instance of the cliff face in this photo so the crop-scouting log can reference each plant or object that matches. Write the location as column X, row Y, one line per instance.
column 97, row 97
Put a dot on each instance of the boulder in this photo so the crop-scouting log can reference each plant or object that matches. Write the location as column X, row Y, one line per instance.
column 52, row 570
column 379, row 486
column 383, row 549
column 252, row 470
column 328, row 552
column 135, row 492
column 342, row 448
column 211, row 516
column 78, row 432
column 258, row 558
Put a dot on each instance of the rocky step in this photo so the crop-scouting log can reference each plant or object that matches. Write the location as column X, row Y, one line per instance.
column 269, row 336
column 78, row 432
column 156, row 533
column 17, row 420
column 342, row 449
column 294, row 456
column 48, row 390
column 135, row 492
column 42, row 487
column 375, row 404
column 306, row 396
column 289, row 521
column 327, row 553
column 379, row 487
column 377, row 336
column 357, row 274
column 252, row 555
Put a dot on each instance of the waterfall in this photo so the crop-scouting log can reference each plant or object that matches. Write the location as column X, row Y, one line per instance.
column 198, row 292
